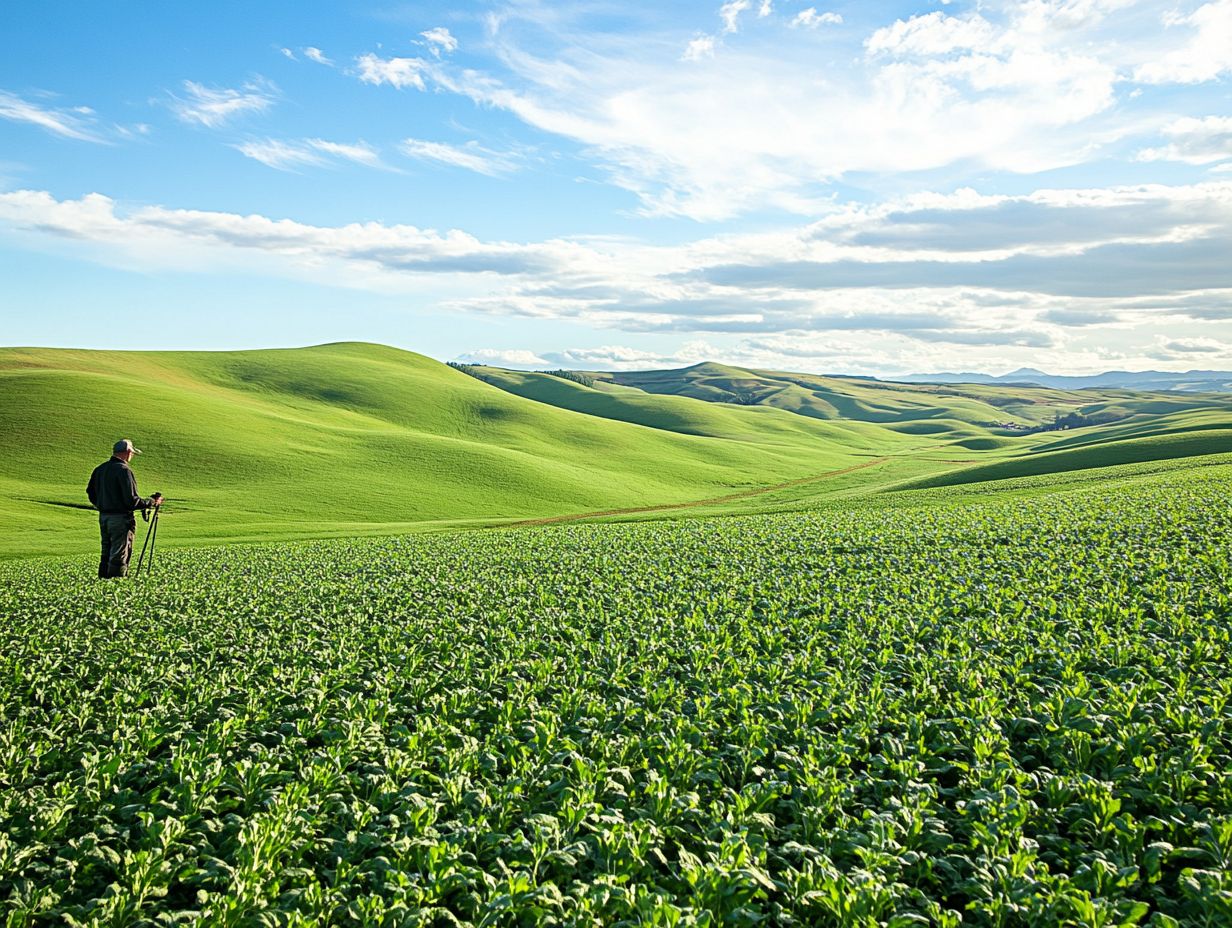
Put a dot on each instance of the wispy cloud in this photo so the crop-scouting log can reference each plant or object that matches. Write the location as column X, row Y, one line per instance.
column 712, row 137
column 471, row 156
column 214, row 107
column 811, row 19
column 285, row 156
column 1004, row 87
column 313, row 53
column 730, row 14
column 71, row 123
column 397, row 72
column 288, row 155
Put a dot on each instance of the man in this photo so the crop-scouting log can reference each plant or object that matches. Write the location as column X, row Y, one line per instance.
column 113, row 491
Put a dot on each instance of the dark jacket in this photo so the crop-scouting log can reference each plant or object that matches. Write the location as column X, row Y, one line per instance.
column 113, row 488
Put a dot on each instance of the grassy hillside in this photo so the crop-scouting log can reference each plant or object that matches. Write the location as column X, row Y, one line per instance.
column 930, row 436
column 678, row 413
column 855, row 398
column 352, row 439
column 1101, row 454
column 342, row 439
column 956, row 410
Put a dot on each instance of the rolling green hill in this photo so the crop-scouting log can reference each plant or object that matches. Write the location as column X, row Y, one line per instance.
column 858, row 398
column 350, row 439
column 961, row 410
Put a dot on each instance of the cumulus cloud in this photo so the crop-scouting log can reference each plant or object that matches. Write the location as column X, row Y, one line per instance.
column 1194, row 141
column 397, row 72
column 72, row 123
column 1205, row 52
column 1045, row 221
column 440, row 40
column 514, row 358
column 381, row 253
column 863, row 275
column 623, row 358
column 932, row 34
column 471, row 156
column 699, row 48
column 214, row 107
column 287, row 155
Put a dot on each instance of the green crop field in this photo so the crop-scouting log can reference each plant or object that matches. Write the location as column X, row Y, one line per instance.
column 732, row 648
column 943, row 706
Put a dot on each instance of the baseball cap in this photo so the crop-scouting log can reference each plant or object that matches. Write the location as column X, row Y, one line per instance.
column 125, row 445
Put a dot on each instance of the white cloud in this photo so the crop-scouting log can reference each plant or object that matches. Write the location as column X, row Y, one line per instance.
column 699, row 48
column 766, row 8
column 440, row 40
column 730, row 14
column 214, row 107
column 1205, row 53
column 472, row 156
column 1182, row 346
column 811, row 19
column 1194, row 141
column 1200, row 350
column 710, row 139
column 359, row 152
column 624, row 358
column 315, row 54
column 288, row 155
column 68, row 124
column 397, row 72
column 989, row 279
column 514, row 358
column 932, row 34
column 285, row 156
column 287, row 53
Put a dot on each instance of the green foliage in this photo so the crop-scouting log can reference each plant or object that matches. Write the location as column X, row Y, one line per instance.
column 972, row 712
column 574, row 376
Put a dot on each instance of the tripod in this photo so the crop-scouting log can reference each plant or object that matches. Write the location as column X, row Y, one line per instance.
column 151, row 539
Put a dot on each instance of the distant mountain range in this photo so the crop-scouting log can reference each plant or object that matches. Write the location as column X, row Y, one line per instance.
column 1189, row 381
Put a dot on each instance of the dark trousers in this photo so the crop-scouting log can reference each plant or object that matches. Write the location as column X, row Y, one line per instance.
column 117, row 536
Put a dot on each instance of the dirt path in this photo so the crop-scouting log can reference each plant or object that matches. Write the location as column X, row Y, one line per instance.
column 743, row 494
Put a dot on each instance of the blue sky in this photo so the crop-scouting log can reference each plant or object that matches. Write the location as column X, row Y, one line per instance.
column 853, row 187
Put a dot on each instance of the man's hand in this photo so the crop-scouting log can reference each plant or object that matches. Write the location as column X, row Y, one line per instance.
column 156, row 500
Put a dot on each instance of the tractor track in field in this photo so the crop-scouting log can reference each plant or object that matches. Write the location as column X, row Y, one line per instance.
column 666, row 507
